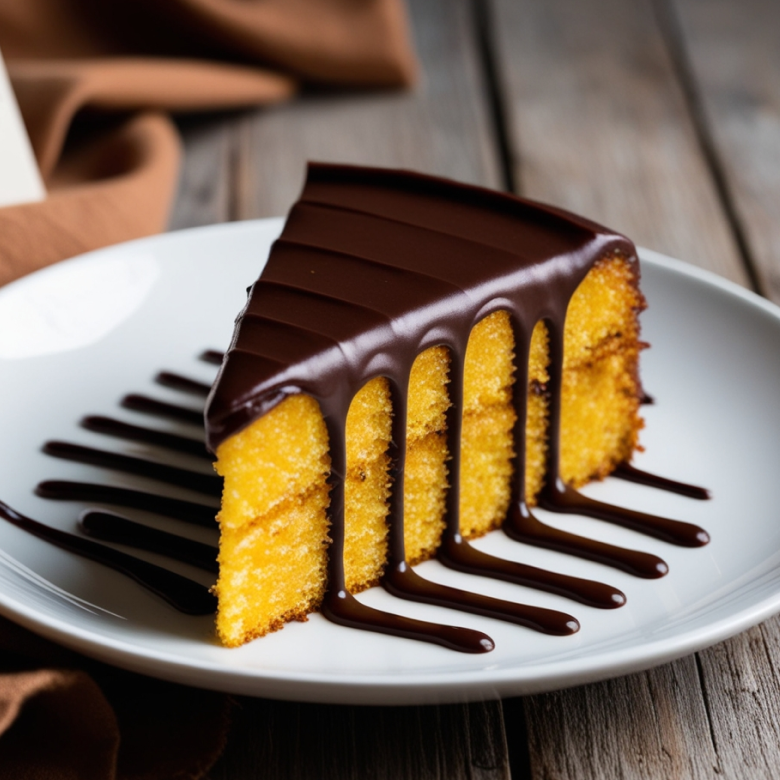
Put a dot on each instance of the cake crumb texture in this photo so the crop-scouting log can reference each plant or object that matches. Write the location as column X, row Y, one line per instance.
column 274, row 517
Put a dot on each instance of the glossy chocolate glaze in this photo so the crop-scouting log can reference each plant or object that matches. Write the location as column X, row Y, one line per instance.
column 631, row 474
column 111, row 527
column 372, row 268
column 210, row 484
column 183, row 383
column 123, row 430
column 147, row 405
column 176, row 508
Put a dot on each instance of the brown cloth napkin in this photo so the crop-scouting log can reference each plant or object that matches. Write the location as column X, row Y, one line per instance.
column 66, row 717
column 77, row 60
column 94, row 79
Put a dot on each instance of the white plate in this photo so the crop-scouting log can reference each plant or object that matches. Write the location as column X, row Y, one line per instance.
column 76, row 337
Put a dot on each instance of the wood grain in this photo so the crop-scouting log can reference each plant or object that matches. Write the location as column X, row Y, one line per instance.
column 598, row 124
column 650, row 725
column 205, row 182
column 730, row 57
column 282, row 740
column 733, row 57
column 441, row 126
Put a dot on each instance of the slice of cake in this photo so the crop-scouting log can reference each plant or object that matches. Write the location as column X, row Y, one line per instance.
column 390, row 378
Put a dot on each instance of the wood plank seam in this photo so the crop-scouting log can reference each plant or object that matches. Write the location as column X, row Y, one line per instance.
column 707, row 708
column 484, row 45
column 674, row 39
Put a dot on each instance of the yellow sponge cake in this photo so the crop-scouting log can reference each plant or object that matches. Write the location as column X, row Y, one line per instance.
column 396, row 369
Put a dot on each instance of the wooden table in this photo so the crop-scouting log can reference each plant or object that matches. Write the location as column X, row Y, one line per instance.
column 660, row 118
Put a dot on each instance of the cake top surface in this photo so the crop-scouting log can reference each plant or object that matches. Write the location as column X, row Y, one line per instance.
column 374, row 266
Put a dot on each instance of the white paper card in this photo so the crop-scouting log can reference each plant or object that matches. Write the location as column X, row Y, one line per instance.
column 20, row 180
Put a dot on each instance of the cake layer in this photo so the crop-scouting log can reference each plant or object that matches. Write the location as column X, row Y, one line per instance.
column 410, row 345
column 599, row 429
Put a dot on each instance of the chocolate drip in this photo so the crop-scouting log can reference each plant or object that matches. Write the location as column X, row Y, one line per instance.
column 183, row 383
column 123, row 430
column 184, row 594
column 371, row 258
column 402, row 581
column 341, row 607
column 210, row 484
column 522, row 526
column 459, row 555
column 142, row 403
column 187, row 511
column 562, row 498
column 631, row 474
column 212, row 356
column 558, row 497
column 111, row 527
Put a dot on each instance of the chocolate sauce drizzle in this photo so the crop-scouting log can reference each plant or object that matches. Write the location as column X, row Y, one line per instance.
column 414, row 262
column 631, row 474
column 184, row 594
column 371, row 258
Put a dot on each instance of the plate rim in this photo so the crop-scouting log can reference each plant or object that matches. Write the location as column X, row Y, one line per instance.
column 360, row 688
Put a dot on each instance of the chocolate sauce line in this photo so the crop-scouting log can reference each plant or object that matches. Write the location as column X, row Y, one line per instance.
column 457, row 554
column 184, row 594
column 210, row 484
column 212, row 356
column 182, row 383
column 522, row 526
column 178, row 509
column 123, row 430
column 403, row 582
column 631, row 474
column 339, row 606
column 142, row 403
column 342, row 608
column 558, row 497
column 455, row 551
column 111, row 527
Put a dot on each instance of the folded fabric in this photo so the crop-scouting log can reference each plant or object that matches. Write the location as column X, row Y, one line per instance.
column 95, row 81
column 66, row 717
column 71, row 59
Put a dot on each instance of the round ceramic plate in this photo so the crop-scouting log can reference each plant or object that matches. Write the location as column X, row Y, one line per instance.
column 78, row 336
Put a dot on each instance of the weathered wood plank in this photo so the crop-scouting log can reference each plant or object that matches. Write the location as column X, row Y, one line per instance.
column 441, row 126
column 205, row 186
column 742, row 687
column 599, row 125
column 730, row 56
column 650, row 725
column 734, row 60
column 282, row 740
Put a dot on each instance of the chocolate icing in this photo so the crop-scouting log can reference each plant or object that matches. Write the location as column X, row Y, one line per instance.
column 372, row 268
column 410, row 262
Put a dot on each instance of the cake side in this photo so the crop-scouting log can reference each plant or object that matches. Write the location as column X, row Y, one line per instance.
column 346, row 316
